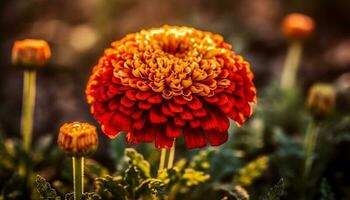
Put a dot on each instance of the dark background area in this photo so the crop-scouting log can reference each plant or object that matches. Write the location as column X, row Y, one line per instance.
column 79, row 30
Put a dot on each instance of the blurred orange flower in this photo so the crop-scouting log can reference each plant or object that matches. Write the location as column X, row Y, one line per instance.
column 78, row 138
column 159, row 83
column 30, row 53
column 297, row 26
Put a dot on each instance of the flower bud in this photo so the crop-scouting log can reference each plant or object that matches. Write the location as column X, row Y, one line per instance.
column 30, row 53
column 297, row 26
column 78, row 139
column 321, row 99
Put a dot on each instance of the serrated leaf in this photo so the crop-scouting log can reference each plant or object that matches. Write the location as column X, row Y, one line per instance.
column 109, row 187
column 136, row 159
column 69, row 196
column 45, row 190
column 276, row 192
column 90, row 196
column 150, row 186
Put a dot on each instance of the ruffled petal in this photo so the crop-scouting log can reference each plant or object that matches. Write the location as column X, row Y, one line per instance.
column 217, row 138
column 194, row 138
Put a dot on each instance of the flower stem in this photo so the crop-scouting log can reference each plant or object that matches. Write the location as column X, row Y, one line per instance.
column 309, row 147
column 171, row 156
column 78, row 177
column 291, row 65
column 28, row 104
column 162, row 159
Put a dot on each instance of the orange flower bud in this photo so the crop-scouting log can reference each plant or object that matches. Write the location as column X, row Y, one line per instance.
column 78, row 139
column 321, row 99
column 297, row 26
column 30, row 53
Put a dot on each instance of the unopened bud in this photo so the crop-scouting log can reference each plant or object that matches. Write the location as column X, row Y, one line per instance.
column 78, row 139
column 30, row 53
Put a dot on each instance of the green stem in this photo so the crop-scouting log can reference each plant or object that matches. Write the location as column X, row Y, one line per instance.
column 162, row 159
column 309, row 147
column 78, row 177
column 291, row 65
column 171, row 156
column 28, row 104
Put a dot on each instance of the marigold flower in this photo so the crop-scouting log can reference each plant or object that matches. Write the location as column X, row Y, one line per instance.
column 30, row 53
column 159, row 83
column 321, row 99
column 297, row 26
column 78, row 139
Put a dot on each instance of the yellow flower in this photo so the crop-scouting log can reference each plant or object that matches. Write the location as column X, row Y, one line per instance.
column 78, row 139
column 30, row 53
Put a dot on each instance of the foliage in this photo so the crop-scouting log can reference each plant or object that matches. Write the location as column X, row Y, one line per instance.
column 326, row 191
column 276, row 192
column 251, row 171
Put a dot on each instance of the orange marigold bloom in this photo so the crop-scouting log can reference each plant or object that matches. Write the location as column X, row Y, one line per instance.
column 30, row 53
column 159, row 83
column 297, row 26
column 78, row 138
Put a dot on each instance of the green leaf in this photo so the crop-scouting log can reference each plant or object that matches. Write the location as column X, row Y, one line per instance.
column 326, row 191
column 150, row 186
column 276, row 192
column 90, row 196
column 109, row 187
column 136, row 159
column 69, row 196
column 45, row 190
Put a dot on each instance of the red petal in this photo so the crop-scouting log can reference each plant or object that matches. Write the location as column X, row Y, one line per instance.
column 137, row 114
column 131, row 94
column 157, row 117
column 121, row 122
column 217, row 138
column 162, row 141
column 113, row 104
column 126, row 111
column 138, row 124
column 172, row 130
column 166, row 110
column 155, row 99
column 148, row 134
column 194, row 138
column 212, row 99
column 176, row 108
column 199, row 113
column 195, row 123
column 127, row 102
column 143, row 95
column 195, row 104
column 144, row 105
column 186, row 115
column 180, row 100
column 222, row 99
column 179, row 121
column 228, row 106
column 109, row 131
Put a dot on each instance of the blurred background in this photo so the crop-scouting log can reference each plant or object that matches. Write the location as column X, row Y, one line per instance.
column 78, row 31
